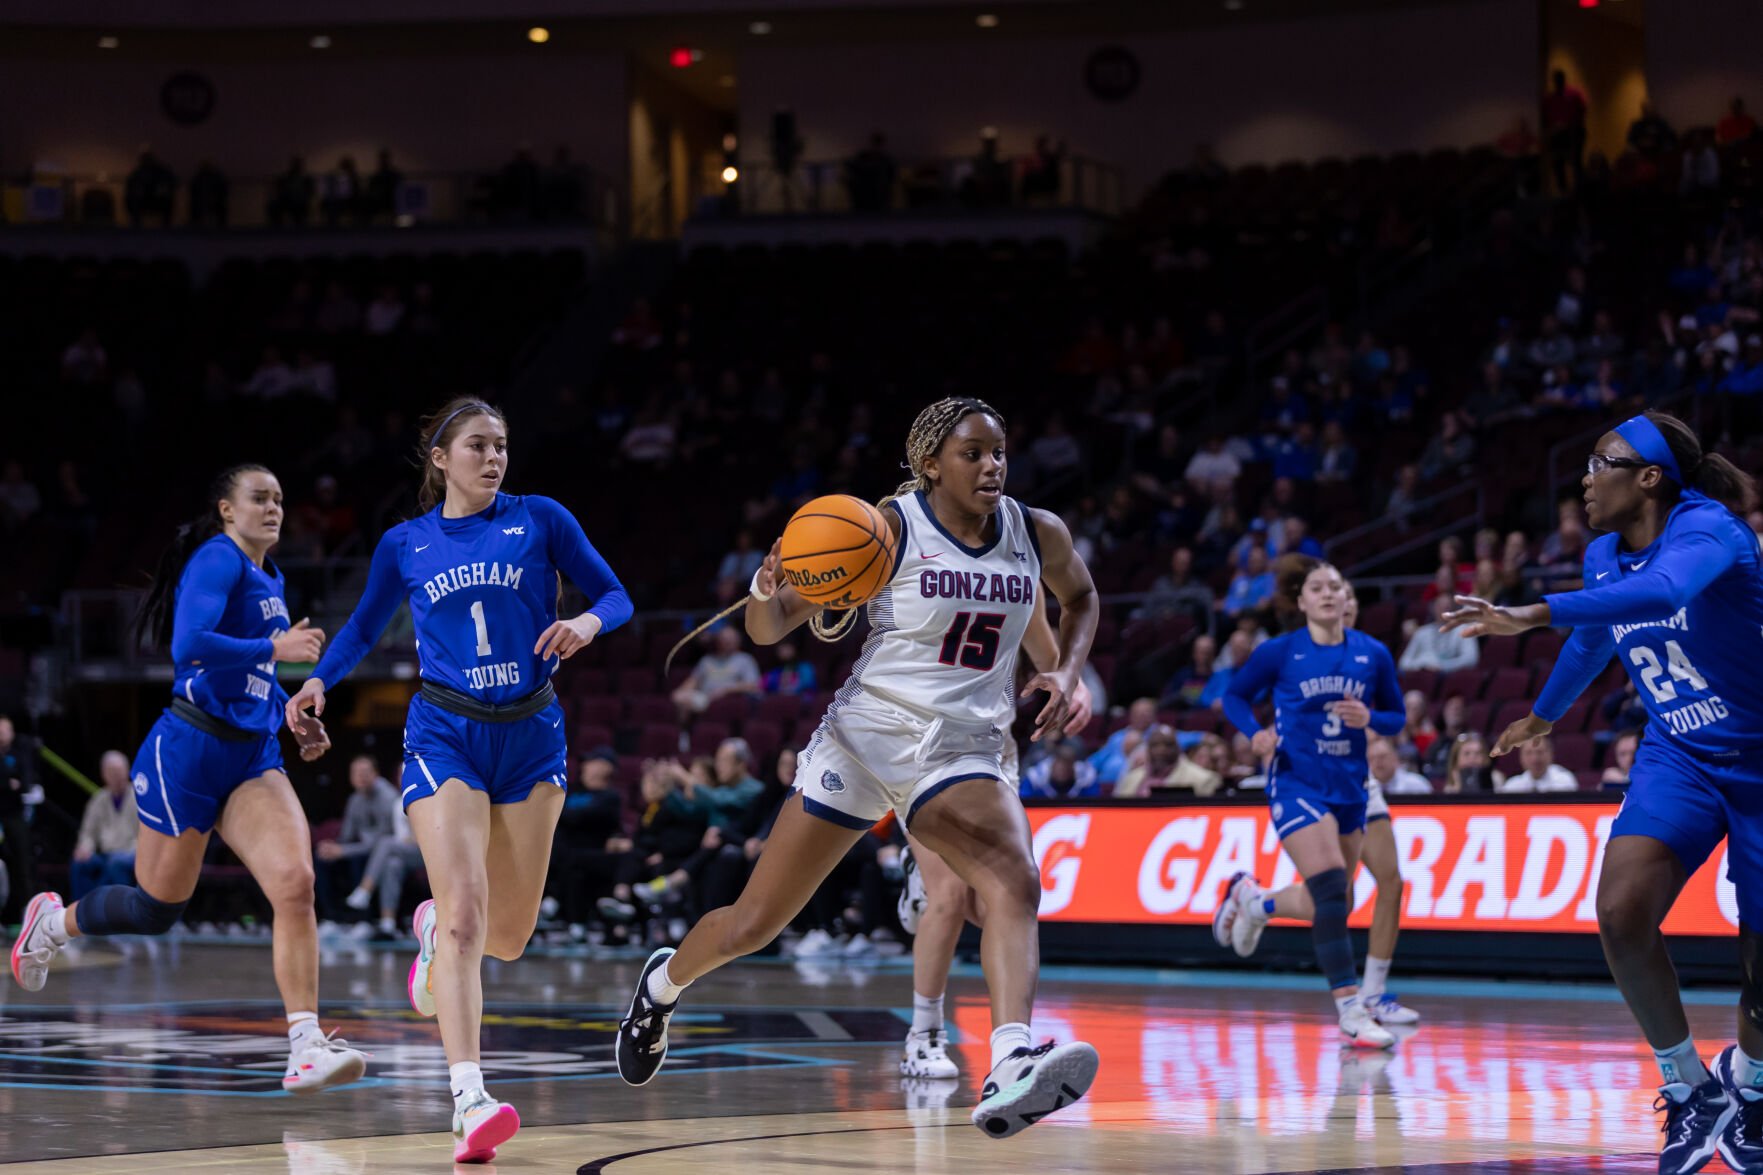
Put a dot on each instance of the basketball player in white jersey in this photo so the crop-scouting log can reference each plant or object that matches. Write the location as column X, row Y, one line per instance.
column 935, row 904
column 915, row 730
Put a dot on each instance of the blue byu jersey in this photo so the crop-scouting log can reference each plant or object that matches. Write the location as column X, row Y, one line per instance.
column 1305, row 677
column 224, row 624
column 1685, row 618
column 481, row 590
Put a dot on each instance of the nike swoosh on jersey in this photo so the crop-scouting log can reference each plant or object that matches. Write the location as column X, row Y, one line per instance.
column 1641, row 564
column 425, row 546
column 922, row 555
column 1602, row 574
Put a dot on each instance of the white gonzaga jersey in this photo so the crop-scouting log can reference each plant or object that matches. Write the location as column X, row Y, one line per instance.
column 945, row 631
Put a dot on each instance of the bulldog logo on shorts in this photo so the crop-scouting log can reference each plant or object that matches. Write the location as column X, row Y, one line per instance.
column 141, row 785
column 831, row 782
column 1279, row 811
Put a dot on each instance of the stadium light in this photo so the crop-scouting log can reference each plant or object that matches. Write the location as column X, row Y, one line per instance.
column 759, row 28
column 986, row 20
column 538, row 34
column 108, row 42
column 320, row 42
column 730, row 174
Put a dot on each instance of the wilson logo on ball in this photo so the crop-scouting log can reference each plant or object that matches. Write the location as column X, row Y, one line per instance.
column 810, row 579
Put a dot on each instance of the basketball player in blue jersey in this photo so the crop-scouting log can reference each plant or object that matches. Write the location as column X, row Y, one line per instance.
column 915, row 730
column 1330, row 683
column 485, row 761
column 1675, row 591
column 212, row 761
column 1377, row 852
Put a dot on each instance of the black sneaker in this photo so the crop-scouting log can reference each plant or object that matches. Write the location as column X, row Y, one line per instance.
column 1741, row 1143
column 1695, row 1117
column 642, row 1035
column 1029, row 1084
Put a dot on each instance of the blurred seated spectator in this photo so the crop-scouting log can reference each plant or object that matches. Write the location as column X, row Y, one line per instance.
column 1621, row 764
column 84, row 363
column 1064, row 774
column 1650, row 134
column 1339, row 460
column 386, row 312
column 1244, row 770
column 150, row 190
column 1178, row 592
column 1452, row 722
column 1406, row 495
column 1385, row 768
column 639, row 330
column 339, row 313
column 313, row 376
column 208, row 197
column 726, row 669
column 1166, row 769
column 671, row 829
column 290, row 200
column 1213, row 465
column 1190, row 686
column 735, row 801
column 1431, row 647
column 1298, row 539
column 735, row 573
column 652, row 436
column 1494, row 402
column 1467, row 767
column 1552, row 347
column 272, row 379
column 793, row 674
column 104, row 854
column 1701, row 165
column 1565, row 546
column 1418, row 734
column 393, row 859
column 1622, row 710
column 1251, row 588
column 1056, row 451
column 20, row 500
column 1109, row 761
column 1736, row 125
column 367, row 817
column 726, row 874
column 1541, row 773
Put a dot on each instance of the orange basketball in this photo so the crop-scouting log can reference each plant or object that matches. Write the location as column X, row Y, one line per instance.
column 838, row 551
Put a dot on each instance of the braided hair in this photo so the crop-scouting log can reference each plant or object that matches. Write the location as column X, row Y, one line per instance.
column 925, row 440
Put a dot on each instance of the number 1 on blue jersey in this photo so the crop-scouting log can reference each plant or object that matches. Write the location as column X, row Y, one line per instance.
column 483, row 630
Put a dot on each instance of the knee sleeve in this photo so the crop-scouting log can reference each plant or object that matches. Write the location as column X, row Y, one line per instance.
column 126, row 909
column 1328, row 928
column 1751, row 993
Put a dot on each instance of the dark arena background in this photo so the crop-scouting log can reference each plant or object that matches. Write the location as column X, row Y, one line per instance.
column 1353, row 278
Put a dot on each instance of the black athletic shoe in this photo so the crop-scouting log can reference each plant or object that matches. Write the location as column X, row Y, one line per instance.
column 1695, row 1118
column 1029, row 1084
column 642, row 1035
column 1741, row 1143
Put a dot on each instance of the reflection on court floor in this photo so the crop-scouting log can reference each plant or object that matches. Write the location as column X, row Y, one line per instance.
column 132, row 1059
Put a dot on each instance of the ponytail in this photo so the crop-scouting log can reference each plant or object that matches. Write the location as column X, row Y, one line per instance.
column 1290, row 572
column 154, row 622
column 1708, row 473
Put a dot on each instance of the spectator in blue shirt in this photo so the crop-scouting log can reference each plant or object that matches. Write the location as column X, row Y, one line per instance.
column 1251, row 587
column 1240, row 644
column 793, row 675
column 1062, row 775
column 1295, row 456
column 1109, row 762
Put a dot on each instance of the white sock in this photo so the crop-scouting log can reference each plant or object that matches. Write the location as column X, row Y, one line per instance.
column 466, row 1079
column 1746, row 1073
column 56, row 925
column 662, row 988
column 1377, row 974
column 927, row 1013
column 1007, row 1038
column 1682, row 1063
column 387, row 926
column 1345, row 1003
column 301, row 1026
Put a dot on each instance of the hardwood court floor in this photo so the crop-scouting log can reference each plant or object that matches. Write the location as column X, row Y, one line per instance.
column 147, row 1057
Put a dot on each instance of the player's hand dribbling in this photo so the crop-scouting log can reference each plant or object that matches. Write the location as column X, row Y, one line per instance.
column 1265, row 742
column 1057, row 712
column 565, row 638
column 1526, row 729
column 299, row 643
column 1353, row 713
column 311, row 738
column 771, row 571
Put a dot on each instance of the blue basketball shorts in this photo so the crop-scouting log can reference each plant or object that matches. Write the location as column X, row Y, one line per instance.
column 1691, row 803
column 1298, row 803
column 504, row 760
column 183, row 776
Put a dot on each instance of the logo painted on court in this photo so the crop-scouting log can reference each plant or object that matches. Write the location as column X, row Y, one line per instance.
column 230, row 1049
column 831, row 782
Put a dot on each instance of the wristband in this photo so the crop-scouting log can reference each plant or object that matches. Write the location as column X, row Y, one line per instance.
column 753, row 589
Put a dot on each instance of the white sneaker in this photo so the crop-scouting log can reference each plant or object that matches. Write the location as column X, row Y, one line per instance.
column 33, row 950
column 1225, row 916
column 816, row 942
column 926, row 1055
column 1029, row 1084
column 1365, row 1033
column 1251, row 918
column 913, row 901
column 480, row 1126
column 358, row 899
column 859, row 945
column 1385, row 1010
column 422, row 984
column 322, row 1062
column 360, row 931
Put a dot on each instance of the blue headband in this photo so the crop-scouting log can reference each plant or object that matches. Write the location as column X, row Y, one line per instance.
column 474, row 406
column 1644, row 437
